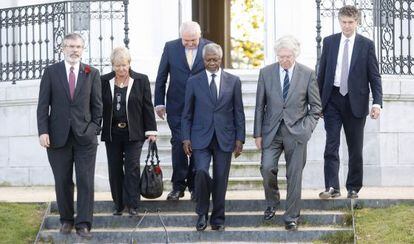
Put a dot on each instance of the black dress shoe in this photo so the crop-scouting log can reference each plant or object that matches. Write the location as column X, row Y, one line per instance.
column 269, row 213
column 201, row 223
column 330, row 193
column 218, row 227
column 66, row 228
column 291, row 226
column 352, row 194
column 175, row 195
column 117, row 211
column 84, row 233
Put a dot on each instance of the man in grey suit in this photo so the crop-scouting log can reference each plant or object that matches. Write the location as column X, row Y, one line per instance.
column 69, row 114
column 287, row 110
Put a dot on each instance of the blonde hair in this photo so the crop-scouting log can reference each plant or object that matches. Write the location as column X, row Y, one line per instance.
column 120, row 54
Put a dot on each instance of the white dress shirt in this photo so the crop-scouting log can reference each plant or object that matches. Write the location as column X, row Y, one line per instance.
column 337, row 80
column 217, row 79
column 75, row 70
column 282, row 74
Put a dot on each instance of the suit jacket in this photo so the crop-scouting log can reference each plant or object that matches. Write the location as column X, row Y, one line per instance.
column 57, row 113
column 174, row 62
column 202, row 118
column 363, row 73
column 140, row 111
column 300, row 112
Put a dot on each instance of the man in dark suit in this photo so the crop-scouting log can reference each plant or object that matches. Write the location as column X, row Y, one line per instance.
column 181, row 59
column 213, row 126
column 348, row 69
column 68, row 117
column 287, row 111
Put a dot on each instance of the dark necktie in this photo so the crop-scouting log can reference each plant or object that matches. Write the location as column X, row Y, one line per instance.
column 343, row 87
column 72, row 82
column 213, row 88
column 286, row 84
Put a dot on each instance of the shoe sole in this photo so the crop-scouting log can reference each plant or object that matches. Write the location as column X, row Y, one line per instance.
column 327, row 196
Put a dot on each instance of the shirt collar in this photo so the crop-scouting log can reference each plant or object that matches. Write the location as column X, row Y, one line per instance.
column 351, row 38
column 75, row 66
column 218, row 72
column 290, row 70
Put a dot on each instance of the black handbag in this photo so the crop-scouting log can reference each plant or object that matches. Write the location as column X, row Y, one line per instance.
column 151, row 184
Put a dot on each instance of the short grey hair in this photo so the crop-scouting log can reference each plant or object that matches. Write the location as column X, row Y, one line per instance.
column 213, row 48
column 73, row 36
column 288, row 42
column 120, row 54
column 190, row 27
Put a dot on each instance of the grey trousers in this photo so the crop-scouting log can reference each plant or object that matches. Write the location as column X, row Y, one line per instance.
column 295, row 156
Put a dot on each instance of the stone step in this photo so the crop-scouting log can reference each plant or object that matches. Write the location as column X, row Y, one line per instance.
column 190, row 235
column 240, row 205
column 188, row 219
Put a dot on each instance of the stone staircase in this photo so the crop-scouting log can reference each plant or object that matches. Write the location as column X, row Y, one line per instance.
column 245, row 170
column 244, row 223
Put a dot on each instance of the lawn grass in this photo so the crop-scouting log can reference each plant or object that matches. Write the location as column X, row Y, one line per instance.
column 394, row 224
column 19, row 222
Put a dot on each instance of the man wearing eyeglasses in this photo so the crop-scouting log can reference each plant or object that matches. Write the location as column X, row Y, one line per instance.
column 287, row 111
column 69, row 114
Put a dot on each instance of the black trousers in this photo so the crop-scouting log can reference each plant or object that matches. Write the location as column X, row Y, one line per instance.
column 124, row 171
column 61, row 160
column 337, row 114
column 216, row 186
column 183, row 168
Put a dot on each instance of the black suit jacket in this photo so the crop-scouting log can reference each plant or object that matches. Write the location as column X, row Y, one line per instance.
column 363, row 73
column 174, row 63
column 140, row 111
column 57, row 113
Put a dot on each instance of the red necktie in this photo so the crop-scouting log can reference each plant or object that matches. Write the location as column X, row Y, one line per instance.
column 72, row 82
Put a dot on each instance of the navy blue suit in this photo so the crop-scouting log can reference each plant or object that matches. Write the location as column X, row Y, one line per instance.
column 350, row 110
column 174, row 63
column 213, row 128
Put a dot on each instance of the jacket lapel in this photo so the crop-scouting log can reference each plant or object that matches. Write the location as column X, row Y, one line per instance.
column 335, row 50
column 64, row 79
column 296, row 73
column 223, row 87
column 355, row 51
column 181, row 55
column 81, row 80
column 205, row 87
column 276, row 80
column 198, row 57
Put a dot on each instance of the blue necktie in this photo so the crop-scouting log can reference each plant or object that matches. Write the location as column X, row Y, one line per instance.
column 213, row 88
column 286, row 84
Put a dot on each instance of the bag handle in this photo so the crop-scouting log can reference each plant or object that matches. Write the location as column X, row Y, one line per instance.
column 152, row 151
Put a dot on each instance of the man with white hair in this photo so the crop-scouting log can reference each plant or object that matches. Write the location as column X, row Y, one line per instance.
column 287, row 110
column 181, row 59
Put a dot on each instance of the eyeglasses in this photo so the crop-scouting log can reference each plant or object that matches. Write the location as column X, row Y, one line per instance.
column 118, row 101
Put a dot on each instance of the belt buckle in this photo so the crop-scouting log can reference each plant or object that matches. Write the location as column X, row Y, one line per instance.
column 122, row 125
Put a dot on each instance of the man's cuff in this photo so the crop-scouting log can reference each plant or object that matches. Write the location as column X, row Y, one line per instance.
column 376, row 106
column 151, row 133
column 159, row 107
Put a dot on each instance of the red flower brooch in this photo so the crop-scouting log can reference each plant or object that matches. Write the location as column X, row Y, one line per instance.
column 87, row 69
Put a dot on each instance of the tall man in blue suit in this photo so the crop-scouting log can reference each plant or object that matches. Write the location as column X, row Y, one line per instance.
column 181, row 59
column 213, row 126
column 348, row 69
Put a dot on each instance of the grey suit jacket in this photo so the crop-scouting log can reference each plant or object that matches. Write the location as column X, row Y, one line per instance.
column 301, row 110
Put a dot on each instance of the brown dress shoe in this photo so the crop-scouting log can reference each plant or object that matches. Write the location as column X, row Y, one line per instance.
column 84, row 233
column 66, row 228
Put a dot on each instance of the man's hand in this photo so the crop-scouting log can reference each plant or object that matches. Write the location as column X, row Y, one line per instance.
column 238, row 148
column 375, row 113
column 160, row 112
column 187, row 147
column 152, row 138
column 258, row 141
column 44, row 140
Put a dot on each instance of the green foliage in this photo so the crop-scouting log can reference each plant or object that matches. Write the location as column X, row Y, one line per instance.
column 19, row 223
column 386, row 225
column 247, row 28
